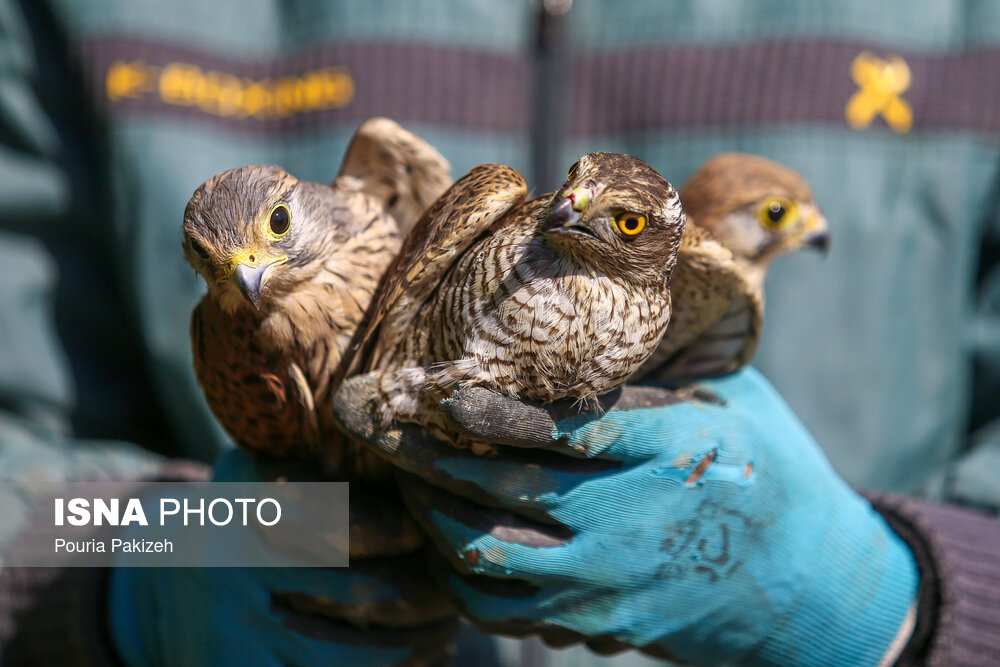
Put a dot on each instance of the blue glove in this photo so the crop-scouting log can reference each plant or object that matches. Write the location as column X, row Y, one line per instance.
column 379, row 611
column 705, row 526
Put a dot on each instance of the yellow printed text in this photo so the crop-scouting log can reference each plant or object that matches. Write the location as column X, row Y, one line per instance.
column 223, row 94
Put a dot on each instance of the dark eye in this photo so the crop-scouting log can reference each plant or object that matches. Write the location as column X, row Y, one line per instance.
column 280, row 220
column 572, row 171
column 199, row 248
column 775, row 211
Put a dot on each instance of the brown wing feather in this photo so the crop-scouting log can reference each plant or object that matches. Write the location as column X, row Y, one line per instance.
column 726, row 346
column 708, row 290
column 467, row 210
column 397, row 167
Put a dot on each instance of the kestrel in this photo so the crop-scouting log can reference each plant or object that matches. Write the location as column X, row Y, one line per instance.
column 291, row 267
column 396, row 167
column 559, row 297
column 744, row 211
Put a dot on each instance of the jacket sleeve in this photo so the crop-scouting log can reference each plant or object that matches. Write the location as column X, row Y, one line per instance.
column 975, row 478
column 47, row 615
column 958, row 614
column 37, row 393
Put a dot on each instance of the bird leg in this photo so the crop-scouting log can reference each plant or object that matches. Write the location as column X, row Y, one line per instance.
column 414, row 394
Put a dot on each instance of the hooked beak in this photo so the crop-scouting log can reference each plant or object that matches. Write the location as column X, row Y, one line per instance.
column 251, row 280
column 820, row 242
column 564, row 217
column 817, row 233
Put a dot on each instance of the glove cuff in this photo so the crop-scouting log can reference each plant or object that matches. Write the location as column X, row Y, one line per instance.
column 858, row 599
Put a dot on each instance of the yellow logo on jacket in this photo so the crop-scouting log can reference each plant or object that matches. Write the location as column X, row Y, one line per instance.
column 226, row 95
column 881, row 84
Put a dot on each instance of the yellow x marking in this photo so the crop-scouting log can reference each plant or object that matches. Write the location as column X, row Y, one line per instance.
column 880, row 86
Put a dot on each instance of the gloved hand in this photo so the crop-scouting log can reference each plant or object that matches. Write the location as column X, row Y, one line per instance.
column 379, row 611
column 704, row 525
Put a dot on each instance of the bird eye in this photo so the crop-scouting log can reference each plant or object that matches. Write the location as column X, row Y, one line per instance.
column 572, row 171
column 199, row 249
column 630, row 223
column 776, row 213
column 279, row 221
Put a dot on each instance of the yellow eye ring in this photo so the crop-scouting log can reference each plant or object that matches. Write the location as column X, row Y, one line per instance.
column 630, row 223
column 572, row 171
column 776, row 213
column 279, row 222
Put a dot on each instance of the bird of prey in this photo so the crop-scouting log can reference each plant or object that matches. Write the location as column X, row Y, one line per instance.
column 291, row 267
column 559, row 297
column 743, row 212
column 396, row 167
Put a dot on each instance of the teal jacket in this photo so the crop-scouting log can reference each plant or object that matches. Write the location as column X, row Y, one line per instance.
column 113, row 111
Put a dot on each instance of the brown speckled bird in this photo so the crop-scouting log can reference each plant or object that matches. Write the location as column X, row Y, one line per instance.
column 744, row 211
column 563, row 296
column 291, row 267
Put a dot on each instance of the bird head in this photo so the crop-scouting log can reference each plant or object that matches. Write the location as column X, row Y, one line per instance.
column 757, row 208
column 248, row 232
column 616, row 214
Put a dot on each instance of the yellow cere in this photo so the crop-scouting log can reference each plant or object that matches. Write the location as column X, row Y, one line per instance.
column 253, row 256
column 776, row 213
column 246, row 257
column 814, row 223
column 630, row 223
column 579, row 197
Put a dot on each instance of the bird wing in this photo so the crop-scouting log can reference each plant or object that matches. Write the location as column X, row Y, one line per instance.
column 725, row 347
column 395, row 166
column 459, row 217
column 717, row 316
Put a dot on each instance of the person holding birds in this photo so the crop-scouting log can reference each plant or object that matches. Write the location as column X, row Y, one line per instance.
column 833, row 507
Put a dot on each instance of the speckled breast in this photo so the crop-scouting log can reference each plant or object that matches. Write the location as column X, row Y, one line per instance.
column 248, row 388
column 538, row 324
